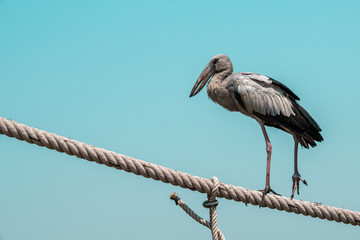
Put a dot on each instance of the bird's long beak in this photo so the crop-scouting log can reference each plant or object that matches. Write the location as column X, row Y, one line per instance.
column 202, row 80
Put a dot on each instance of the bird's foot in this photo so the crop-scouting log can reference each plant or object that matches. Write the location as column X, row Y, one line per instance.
column 266, row 191
column 296, row 186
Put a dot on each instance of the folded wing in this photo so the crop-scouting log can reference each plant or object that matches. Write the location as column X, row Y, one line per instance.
column 275, row 104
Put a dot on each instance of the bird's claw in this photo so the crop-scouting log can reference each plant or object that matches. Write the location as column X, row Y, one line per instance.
column 296, row 186
column 264, row 192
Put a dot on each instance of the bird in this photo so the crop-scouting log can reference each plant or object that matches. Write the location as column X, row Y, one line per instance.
column 264, row 99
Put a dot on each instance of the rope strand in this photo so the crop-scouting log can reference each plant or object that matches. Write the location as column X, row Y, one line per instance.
column 211, row 203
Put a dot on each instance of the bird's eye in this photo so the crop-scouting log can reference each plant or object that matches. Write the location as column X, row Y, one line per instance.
column 215, row 60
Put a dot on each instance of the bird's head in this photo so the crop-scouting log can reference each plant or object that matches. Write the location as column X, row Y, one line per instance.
column 217, row 64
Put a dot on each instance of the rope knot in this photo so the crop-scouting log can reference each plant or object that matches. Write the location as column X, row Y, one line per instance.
column 212, row 202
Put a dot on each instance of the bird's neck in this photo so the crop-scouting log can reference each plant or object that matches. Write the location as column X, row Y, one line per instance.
column 220, row 76
column 215, row 82
column 215, row 87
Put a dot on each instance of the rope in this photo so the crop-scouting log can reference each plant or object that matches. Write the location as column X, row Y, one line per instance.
column 167, row 175
column 211, row 203
column 217, row 235
column 187, row 209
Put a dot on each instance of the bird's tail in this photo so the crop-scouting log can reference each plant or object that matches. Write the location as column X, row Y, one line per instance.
column 312, row 132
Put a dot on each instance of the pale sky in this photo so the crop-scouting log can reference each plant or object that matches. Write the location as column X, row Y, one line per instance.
column 118, row 74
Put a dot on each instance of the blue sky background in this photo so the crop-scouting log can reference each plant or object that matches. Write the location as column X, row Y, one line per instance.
column 118, row 75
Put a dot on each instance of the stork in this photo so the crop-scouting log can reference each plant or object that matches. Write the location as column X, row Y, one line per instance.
column 264, row 99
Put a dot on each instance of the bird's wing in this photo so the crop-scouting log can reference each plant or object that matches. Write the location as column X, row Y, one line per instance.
column 269, row 80
column 258, row 94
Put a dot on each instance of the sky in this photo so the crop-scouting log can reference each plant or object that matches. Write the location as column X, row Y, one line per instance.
column 117, row 75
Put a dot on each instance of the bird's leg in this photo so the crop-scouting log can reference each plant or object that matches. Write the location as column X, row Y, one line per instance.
column 268, row 150
column 296, row 177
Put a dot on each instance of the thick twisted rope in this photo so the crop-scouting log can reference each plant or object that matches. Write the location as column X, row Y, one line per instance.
column 167, row 175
